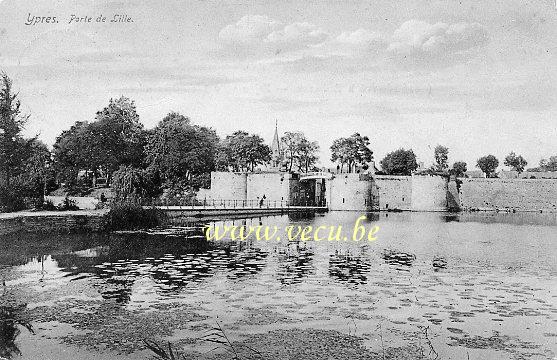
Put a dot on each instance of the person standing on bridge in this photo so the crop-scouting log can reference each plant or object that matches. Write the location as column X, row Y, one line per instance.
column 262, row 200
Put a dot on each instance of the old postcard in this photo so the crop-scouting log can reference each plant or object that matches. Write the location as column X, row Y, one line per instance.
column 265, row 179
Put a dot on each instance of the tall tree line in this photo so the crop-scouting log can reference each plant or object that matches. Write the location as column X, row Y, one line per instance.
column 25, row 163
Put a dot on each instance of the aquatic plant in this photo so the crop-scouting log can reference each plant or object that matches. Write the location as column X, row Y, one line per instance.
column 215, row 335
column 164, row 353
column 432, row 353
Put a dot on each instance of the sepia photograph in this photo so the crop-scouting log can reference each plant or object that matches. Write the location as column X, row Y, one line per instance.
column 278, row 179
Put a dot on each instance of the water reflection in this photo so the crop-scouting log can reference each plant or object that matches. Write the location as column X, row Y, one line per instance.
column 439, row 262
column 301, row 215
column 457, row 273
column 242, row 260
column 349, row 268
column 12, row 317
column 127, row 256
column 373, row 216
column 400, row 260
column 546, row 219
column 451, row 217
column 177, row 259
column 295, row 263
column 172, row 273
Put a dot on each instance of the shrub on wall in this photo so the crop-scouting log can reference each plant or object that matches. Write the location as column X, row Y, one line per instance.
column 130, row 215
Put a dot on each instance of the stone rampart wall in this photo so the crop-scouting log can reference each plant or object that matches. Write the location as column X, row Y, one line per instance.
column 393, row 192
column 349, row 192
column 509, row 194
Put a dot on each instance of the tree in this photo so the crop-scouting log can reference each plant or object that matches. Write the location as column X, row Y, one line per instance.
column 70, row 152
column 459, row 169
column 130, row 182
column 242, row 152
column 549, row 164
column 115, row 138
column 180, row 151
column 256, row 152
column 352, row 151
column 339, row 152
column 12, row 121
column 441, row 154
column 223, row 158
column 38, row 176
column 227, row 158
column 488, row 164
column 307, row 155
column 516, row 162
column 399, row 162
column 299, row 151
column 25, row 170
column 290, row 144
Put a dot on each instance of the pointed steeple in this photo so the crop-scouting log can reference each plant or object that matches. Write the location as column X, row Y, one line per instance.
column 276, row 155
column 275, row 145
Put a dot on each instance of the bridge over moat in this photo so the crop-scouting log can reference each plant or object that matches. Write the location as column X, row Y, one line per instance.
column 235, row 208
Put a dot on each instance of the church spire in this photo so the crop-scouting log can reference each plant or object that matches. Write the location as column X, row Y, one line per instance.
column 275, row 145
column 276, row 156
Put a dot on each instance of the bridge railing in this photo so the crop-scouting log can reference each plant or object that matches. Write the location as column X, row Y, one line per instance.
column 232, row 203
column 316, row 175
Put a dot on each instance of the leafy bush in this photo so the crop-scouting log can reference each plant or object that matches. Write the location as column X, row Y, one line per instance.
column 130, row 215
column 102, row 205
column 48, row 205
column 201, row 181
column 78, row 187
column 11, row 199
column 68, row 205
column 178, row 192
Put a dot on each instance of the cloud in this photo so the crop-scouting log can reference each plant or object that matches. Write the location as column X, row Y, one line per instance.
column 298, row 34
column 306, row 46
column 360, row 37
column 361, row 42
column 321, row 51
column 415, row 37
column 249, row 29
column 257, row 32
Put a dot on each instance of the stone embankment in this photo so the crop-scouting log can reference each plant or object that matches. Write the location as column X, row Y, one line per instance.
column 52, row 221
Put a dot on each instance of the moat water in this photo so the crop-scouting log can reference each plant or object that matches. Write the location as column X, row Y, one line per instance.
column 447, row 286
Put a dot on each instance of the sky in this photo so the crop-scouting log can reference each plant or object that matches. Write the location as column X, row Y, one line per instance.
column 476, row 76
